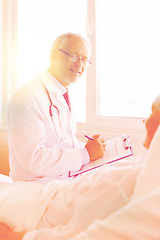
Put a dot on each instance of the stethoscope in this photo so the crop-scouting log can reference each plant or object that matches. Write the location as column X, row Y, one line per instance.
column 51, row 103
column 51, row 114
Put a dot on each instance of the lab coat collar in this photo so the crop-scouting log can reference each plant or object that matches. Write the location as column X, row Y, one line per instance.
column 53, row 86
column 51, row 83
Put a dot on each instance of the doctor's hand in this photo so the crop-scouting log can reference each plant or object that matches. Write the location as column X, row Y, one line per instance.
column 95, row 147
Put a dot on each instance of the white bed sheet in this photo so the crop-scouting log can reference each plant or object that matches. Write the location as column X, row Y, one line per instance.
column 61, row 210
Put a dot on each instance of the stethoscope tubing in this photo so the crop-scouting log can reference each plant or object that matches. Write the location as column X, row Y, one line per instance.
column 51, row 113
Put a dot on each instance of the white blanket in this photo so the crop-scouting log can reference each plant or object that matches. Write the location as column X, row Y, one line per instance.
column 23, row 203
column 61, row 210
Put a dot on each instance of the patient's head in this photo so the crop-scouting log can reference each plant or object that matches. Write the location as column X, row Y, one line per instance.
column 152, row 122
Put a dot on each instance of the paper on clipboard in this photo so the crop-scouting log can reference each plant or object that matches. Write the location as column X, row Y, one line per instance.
column 116, row 149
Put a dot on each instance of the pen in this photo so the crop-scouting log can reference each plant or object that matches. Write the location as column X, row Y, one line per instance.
column 90, row 138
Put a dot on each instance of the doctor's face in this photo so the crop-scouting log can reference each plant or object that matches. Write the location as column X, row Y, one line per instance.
column 72, row 59
column 151, row 124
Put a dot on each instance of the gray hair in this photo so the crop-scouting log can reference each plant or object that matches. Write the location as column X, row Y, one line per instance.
column 59, row 41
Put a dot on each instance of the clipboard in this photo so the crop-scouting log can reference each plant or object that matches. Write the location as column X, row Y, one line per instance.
column 116, row 149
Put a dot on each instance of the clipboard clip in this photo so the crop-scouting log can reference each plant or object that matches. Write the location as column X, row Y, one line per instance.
column 127, row 143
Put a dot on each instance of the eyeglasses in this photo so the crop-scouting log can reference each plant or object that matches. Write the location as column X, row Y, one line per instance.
column 75, row 58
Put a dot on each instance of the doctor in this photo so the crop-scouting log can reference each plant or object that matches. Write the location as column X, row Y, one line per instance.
column 41, row 126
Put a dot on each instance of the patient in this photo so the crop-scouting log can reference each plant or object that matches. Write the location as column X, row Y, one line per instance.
column 113, row 195
column 152, row 122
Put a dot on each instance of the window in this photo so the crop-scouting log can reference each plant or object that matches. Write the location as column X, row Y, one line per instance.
column 128, row 52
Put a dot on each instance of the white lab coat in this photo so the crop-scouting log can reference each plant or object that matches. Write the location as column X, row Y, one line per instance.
column 39, row 148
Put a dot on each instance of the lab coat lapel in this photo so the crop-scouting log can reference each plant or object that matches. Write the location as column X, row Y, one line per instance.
column 55, row 93
column 56, row 115
column 58, row 118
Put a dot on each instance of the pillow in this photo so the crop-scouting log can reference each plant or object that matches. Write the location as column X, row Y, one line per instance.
column 4, row 178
